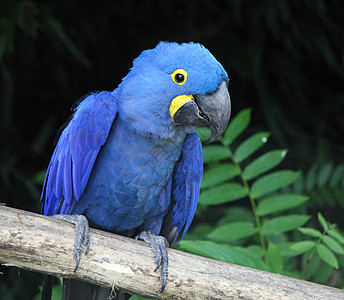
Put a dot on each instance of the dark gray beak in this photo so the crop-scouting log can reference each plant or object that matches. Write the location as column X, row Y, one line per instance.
column 211, row 110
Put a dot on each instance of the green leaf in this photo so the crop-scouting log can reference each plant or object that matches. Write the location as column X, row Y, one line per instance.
column 285, row 250
column 278, row 238
column 272, row 182
column 327, row 256
column 55, row 295
column 218, row 174
column 310, row 178
column 238, row 124
column 277, row 203
column 56, row 292
column 203, row 133
column 333, row 244
column 256, row 249
column 313, row 264
column 337, row 175
column 250, row 145
column 233, row 231
column 324, row 174
column 134, row 297
column 200, row 231
column 310, row 231
column 223, row 252
column 236, row 214
column 222, row 193
column 322, row 221
column 283, row 224
column 323, row 273
column 337, row 235
column 302, row 247
column 274, row 259
column 252, row 257
column 264, row 163
column 298, row 184
column 215, row 153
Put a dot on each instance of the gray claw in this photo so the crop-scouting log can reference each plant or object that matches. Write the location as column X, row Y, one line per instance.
column 82, row 236
column 159, row 246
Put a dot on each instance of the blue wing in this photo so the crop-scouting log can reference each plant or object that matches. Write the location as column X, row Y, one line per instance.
column 76, row 151
column 186, row 184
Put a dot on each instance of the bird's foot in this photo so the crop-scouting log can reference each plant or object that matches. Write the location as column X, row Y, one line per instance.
column 82, row 236
column 159, row 246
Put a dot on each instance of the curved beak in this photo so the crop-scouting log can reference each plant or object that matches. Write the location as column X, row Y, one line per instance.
column 211, row 110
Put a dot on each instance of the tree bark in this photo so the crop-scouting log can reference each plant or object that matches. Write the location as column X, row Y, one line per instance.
column 42, row 244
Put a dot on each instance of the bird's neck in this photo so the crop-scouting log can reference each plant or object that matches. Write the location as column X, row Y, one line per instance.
column 152, row 126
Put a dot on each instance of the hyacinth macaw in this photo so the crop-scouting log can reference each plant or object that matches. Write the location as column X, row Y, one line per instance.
column 130, row 161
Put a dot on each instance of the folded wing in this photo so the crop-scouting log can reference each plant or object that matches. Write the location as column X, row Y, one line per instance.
column 76, row 152
column 186, row 184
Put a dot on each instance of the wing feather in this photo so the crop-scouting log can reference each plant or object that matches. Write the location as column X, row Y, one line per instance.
column 76, row 152
column 186, row 184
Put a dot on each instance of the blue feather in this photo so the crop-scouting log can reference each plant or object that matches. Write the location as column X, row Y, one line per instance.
column 76, row 152
column 67, row 180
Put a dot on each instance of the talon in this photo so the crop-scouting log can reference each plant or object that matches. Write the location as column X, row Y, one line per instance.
column 86, row 238
column 87, row 244
column 82, row 236
column 77, row 253
column 158, row 264
column 159, row 246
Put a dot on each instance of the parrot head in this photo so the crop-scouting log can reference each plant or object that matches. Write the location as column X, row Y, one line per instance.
column 173, row 88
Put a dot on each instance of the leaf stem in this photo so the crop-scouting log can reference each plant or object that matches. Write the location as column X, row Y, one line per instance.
column 248, row 189
column 302, row 275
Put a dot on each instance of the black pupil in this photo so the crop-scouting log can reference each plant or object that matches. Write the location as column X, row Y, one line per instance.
column 179, row 77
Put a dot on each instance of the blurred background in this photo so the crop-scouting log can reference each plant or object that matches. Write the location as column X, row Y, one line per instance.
column 284, row 60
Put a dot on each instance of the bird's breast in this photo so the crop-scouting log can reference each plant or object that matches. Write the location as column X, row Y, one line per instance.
column 130, row 173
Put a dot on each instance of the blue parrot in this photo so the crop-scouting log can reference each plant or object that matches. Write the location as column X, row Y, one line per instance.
column 130, row 162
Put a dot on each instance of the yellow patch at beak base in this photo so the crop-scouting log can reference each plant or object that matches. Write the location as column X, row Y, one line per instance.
column 178, row 102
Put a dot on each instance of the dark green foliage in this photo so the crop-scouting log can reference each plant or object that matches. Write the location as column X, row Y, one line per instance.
column 284, row 59
column 265, row 236
column 324, row 185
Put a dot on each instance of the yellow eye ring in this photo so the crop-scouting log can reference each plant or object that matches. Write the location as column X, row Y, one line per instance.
column 179, row 76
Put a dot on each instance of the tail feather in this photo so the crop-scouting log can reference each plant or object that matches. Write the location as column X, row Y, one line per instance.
column 75, row 289
column 47, row 284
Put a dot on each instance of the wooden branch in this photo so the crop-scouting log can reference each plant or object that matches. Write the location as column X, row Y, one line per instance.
column 35, row 242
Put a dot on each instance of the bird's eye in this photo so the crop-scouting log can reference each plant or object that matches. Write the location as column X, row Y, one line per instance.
column 179, row 76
